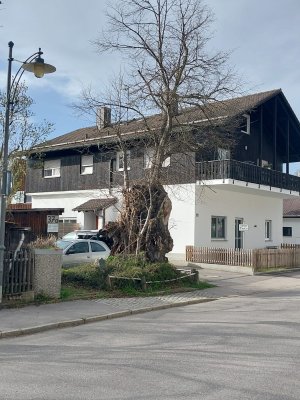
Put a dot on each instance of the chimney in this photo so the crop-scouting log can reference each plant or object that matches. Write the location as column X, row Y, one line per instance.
column 103, row 117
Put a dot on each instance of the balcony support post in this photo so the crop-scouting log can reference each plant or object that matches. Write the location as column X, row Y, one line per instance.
column 275, row 135
column 288, row 146
column 261, row 131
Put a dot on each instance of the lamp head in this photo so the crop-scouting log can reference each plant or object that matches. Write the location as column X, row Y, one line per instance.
column 38, row 66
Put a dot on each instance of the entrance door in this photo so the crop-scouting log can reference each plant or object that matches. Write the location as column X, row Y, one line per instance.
column 238, row 234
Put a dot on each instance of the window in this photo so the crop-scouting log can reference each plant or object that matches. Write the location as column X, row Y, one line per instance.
column 268, row 230
column 120, row 160
column 223, row 154
column 96, row 247
column 80, row 247
column 218, row 227
column 51, row 168
column 287, row 231
column 87, row 165
column 68, row 220
column 167, row 162
column 245, row 126
column 148, row 157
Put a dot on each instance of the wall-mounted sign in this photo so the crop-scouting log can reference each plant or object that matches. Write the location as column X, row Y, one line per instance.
column 52, row 219
column 243, row 227
column 52, row 223
column 52, row 228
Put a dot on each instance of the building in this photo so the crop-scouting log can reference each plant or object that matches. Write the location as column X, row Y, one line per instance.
column 223, row 197
column 291, row 221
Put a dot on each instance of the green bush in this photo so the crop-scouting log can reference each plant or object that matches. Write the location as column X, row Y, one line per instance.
column 87, row 275
column 132, row 266
column 120, row 266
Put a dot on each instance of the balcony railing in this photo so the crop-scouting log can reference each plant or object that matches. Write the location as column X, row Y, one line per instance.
column 246, row 172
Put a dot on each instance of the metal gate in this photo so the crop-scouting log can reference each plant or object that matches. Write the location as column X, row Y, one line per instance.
column 18, row 272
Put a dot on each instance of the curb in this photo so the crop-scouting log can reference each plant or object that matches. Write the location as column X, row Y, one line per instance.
column 97, row 318
column 279, row 271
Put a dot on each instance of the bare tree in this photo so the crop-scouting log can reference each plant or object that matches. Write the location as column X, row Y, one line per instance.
column 24, row 132
column 170, row 72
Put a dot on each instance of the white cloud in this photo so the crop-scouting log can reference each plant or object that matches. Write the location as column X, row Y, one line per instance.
column 265, row 35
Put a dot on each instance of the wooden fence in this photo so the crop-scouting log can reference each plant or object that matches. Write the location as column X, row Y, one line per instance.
column 288, row 256
column 18, row 272
column 210, row 255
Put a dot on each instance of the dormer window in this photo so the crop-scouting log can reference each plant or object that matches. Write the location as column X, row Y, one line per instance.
column 87, row 165
column 52, row 169
column 245, row 127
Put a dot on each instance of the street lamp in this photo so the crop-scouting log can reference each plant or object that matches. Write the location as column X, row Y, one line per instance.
column 36, row 65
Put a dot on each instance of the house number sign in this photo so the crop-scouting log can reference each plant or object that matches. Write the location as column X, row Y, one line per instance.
column 52, row 219
column 52, row 223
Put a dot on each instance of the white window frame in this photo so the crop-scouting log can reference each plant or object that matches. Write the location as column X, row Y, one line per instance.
column 248, row 122
column 167, row 162
column 268, row 230
column 87, row 164
column 218, row 219
column 223, row 154
column 52, row 167
column 66, row 220
column 120, row 160
column 148, row 157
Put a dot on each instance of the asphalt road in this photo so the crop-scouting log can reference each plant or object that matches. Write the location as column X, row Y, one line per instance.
column 235, row 348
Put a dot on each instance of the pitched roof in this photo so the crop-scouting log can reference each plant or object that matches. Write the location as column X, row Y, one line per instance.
column 96, row 204
column 136, row 128
column 291, row 208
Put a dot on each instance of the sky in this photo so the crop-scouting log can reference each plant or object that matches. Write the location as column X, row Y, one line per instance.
column 263, row 36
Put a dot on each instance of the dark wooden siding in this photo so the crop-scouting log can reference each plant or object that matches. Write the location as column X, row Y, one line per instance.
column 70, row 178
column 252, row 147
column 34, row 219
column 181, row 170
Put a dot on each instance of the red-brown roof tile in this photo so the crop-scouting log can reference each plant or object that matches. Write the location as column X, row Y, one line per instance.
column 291, row 207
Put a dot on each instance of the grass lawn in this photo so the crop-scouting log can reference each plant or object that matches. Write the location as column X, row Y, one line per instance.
column 88, row 282
column 76, row 292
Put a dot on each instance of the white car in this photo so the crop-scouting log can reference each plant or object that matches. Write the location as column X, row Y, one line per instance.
column 81, row 251
column 81, row 234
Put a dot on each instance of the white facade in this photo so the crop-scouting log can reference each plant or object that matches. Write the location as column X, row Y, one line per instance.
column 193, row 206
column 252, row 208
column 182, row 218
column 256, row 208
column 71, row 199
column 293, row 223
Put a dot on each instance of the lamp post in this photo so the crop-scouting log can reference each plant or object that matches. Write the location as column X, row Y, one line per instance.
column 36, row 65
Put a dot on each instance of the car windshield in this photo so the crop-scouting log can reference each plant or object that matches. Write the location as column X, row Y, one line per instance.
column 70, row 235
column 62, row 244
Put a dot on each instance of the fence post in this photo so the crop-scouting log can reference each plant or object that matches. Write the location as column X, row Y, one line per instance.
column 108, row 282
column 101, row 263
column 196, row 275
column 143, row 283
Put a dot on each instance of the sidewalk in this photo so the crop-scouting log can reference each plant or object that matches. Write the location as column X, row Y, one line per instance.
column 33, row 319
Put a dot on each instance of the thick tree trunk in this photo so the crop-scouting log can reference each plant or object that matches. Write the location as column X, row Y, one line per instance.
column 143, row 223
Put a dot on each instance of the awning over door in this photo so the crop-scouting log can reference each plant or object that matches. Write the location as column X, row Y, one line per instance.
column 96, row 205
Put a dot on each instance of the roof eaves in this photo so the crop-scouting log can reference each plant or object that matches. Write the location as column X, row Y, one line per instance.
column 112, row 137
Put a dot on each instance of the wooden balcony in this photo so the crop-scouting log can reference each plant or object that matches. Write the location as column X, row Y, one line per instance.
column 246, row 172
